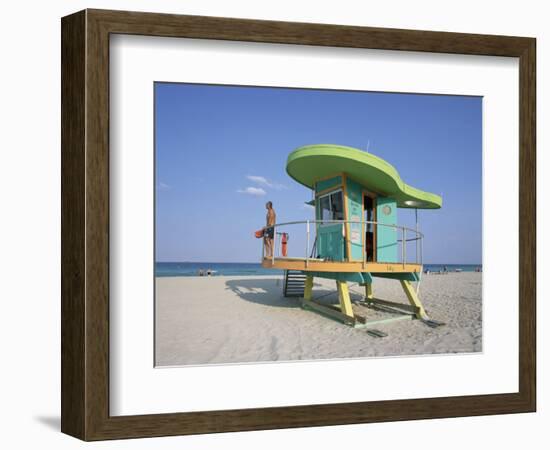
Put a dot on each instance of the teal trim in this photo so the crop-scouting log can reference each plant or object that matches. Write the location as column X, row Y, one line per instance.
column 355, row 277
column 327, row 184
column 408, row 276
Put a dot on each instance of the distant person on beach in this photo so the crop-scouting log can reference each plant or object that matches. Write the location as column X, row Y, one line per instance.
column 201, row 272
column 269, row 231
column 209, row 272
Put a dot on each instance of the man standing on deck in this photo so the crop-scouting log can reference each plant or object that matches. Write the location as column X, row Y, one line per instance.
column 269, row 231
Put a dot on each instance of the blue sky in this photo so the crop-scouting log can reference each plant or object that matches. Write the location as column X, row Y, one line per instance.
column 221, row 154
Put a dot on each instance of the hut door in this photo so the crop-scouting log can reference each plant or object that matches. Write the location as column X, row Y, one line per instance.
column 330, row 236
column 370, row 235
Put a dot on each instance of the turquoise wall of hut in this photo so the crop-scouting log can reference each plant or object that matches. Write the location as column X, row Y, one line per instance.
column 386, row 237
column 339, row 198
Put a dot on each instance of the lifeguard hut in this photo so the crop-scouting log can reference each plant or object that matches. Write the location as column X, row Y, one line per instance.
column 355, row 236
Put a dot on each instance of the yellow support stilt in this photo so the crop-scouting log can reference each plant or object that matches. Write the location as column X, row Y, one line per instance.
column 414, row 300
column 343, row 297
column 368, row 291
column 308, row 290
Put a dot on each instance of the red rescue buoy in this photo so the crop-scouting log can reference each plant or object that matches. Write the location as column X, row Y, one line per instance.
column 284, row 242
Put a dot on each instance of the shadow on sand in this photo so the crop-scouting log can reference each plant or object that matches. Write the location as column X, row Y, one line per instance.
column 268, row 291
column 263, row 291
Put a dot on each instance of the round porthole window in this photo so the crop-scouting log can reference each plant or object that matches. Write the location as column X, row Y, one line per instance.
column 386, row 210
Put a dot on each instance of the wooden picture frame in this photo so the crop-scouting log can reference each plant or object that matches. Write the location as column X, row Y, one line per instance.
column 85, row 224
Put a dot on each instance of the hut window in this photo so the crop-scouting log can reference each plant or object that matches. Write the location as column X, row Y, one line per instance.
column 332, row 206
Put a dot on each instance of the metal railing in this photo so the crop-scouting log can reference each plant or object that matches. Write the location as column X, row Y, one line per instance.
column 417, row 237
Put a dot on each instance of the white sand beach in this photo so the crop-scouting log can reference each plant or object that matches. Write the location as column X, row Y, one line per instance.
column 224, row 319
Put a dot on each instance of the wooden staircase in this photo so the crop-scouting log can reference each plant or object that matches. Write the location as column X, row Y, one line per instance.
column 294, row 283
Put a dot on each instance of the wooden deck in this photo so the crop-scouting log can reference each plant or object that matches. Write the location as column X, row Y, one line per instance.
column 318, row 265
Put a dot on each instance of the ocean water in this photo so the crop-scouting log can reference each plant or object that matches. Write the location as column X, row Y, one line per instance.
column 453, row 267
column 191, row 269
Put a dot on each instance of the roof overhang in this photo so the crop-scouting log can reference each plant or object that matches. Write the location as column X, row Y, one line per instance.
column 308, row 164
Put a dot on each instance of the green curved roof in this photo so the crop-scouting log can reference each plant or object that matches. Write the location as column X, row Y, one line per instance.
column 308, row 164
